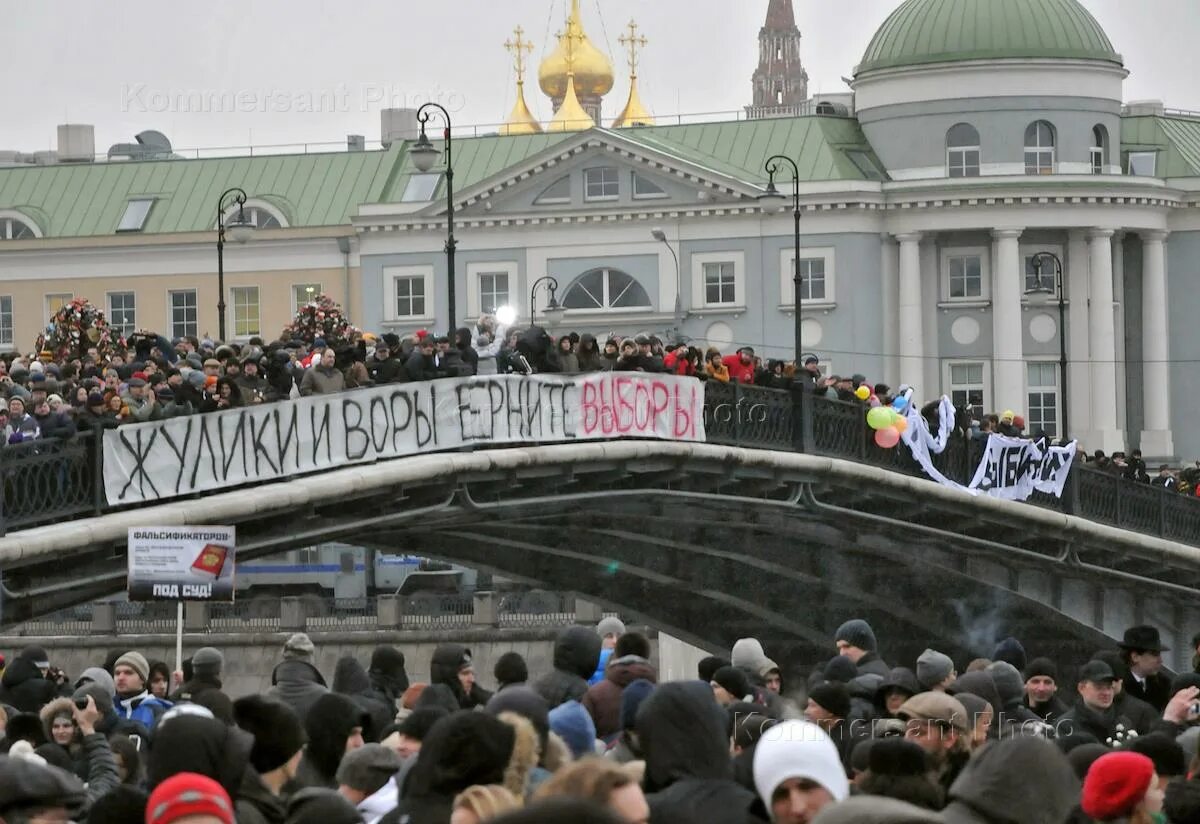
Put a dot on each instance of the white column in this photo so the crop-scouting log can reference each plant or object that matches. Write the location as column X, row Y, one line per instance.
column 1156, row 433
column 931, row 290
column 889, row 271
column 912, row 332
column 1102, row 344
column 1008, row 351
column 1078, row 354
column 1118, row 244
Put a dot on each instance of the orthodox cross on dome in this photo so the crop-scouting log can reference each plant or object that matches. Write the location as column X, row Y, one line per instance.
column 518, row 46
column 633, row 41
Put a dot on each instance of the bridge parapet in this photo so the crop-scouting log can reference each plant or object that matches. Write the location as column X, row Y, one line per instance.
column 50, row 481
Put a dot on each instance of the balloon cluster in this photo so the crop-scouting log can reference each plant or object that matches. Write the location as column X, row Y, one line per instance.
column 887, row 421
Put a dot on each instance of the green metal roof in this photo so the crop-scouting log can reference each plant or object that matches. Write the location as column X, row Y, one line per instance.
column 1176, row 139
column 944, row 31
column 84, row 200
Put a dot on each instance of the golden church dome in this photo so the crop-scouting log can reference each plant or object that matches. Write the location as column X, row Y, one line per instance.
column 521, row 120
column 593, row 70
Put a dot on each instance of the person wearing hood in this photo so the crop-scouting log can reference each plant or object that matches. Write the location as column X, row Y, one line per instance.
column 197, row 744
column 630, row 662
column 748, row 656
column 981, row 683
column 334, row 727
column 466, row 352
column 689, row 776
column 1094, row 713
column 610, row 630
column 1021, row 779
column 462, row 750
column 364, row 779
column 899, row 686
column 856, row 640
column 351, row 680
column 627, row 747
column 798, row 772
column 24, row 682
column 295, row 680
column 1041, row 688
column 1015, row 718
column 388, row 677
column 589, row 356
column 279, row 740
column 576, row 653
column 451, row 666
column 73, row 731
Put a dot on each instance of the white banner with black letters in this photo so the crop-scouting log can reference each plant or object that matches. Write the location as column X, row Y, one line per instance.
column 1011, row 468
column 165, row 459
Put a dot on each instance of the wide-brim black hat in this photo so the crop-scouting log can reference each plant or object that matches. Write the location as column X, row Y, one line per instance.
column 1143, row 637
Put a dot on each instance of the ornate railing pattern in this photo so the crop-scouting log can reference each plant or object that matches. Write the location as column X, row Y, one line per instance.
column 46, row 481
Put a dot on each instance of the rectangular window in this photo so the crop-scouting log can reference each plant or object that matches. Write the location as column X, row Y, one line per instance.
column 719, row 283
column 963, row 162
column 493, row 291
column 420, row 188
column 183, row 313
column 57, row 301
column 646, row 189
column 966, row 387
column 966, row 276
column 1143, row 164
column 303, row 294
column 812, row 279
column 1043, row 398
column 6, row 321
column 1097, row 160
column 601, row 183
column 122, row 313
column 410, row 296
column 1039, row 161
column 245, row 311
column 136, row 212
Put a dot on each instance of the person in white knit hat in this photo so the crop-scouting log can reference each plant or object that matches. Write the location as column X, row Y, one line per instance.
column 798, row 772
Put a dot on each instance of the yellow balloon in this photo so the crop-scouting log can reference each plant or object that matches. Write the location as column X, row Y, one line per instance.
column 862, row 393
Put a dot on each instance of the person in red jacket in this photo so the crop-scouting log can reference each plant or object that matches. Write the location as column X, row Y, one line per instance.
column 741, row 365
column 676, row 360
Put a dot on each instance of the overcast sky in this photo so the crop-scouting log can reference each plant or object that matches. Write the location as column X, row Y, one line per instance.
column 124, row 68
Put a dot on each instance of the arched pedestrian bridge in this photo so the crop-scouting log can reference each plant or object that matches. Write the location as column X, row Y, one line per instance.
column 785, row 522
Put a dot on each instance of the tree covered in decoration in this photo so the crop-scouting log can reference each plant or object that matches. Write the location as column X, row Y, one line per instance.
column 75, row 328
column 321, row 317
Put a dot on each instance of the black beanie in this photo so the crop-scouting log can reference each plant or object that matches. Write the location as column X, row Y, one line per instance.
column 833, row 696
column 708, row 667
column 278, row 733
column 1042, row 666
column 1169, row 760
column 510, row 669
column 733, row 681
column 119, row 805
column 896, row 756
column 420, row 722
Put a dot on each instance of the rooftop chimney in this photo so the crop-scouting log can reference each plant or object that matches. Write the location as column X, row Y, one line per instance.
column 76, row 143
column 355, row 142
column 398, row 124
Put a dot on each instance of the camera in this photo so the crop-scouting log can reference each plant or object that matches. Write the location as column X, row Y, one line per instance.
column 82, row 703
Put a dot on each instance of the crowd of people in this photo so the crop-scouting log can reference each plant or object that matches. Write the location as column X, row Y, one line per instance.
column 599, row 739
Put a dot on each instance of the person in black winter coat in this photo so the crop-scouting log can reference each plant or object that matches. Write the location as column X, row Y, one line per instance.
column 351, row 680
column 25, row 685
column 451, row 666
column 389, row 679
column 470, row 358
column 192, row 743
column 334, row 727
column 460, row 751
column 576, row 652
column 689, row 775
column 296, row 681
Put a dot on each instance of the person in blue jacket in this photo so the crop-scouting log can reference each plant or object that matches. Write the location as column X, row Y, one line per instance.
column 609, row 629
column 133, row 700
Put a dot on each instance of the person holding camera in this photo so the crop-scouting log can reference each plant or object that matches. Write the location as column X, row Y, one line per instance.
column 70, row 724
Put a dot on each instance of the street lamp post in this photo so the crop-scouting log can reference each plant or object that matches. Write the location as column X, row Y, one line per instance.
column 554, row 311
column 424, row 154
column 1044, row 288
column 774, row 201
column 240, row 230
column 675, row 334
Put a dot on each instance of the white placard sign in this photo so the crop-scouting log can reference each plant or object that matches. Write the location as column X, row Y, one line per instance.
column 165, row 459
column 181, row 563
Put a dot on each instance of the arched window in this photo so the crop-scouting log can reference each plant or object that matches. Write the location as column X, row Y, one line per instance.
column 1099, row 149
column 604, row 289
column 962, row 150
column 14, row 228
column 259, row 214
column 1039, row 148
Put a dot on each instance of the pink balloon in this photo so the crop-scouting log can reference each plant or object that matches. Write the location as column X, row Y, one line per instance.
column 887, row 438
column 874, row 401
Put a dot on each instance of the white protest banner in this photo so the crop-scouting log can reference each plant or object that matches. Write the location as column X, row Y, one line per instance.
column 164, row 459
column 188, row 563
column 1012, row 468
column 921, row 442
